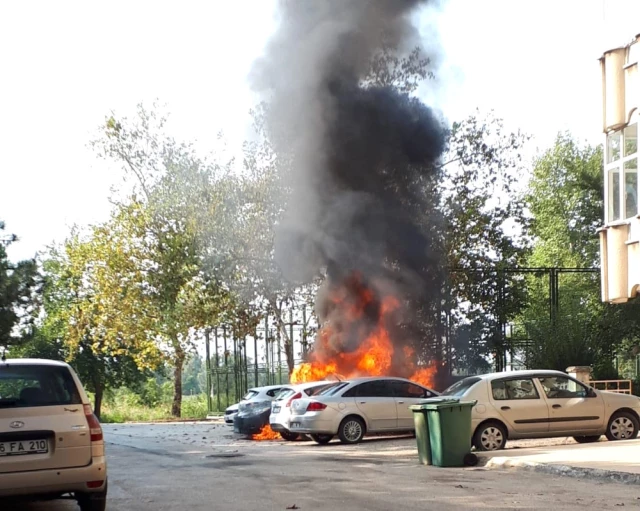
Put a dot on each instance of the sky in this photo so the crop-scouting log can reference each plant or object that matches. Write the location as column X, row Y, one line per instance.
column 67, row 65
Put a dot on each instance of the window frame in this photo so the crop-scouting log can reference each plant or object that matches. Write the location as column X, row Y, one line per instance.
column 566, row 377
column 397, row 392
column 356, row 390
column 618, row 165
column 514, row 378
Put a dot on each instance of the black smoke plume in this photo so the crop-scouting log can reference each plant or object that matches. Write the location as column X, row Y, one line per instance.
column 364, row 159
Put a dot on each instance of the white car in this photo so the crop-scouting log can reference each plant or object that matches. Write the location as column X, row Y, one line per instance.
column 281, row 406
column 543, row 403
column 51, row 443
column 253, row 395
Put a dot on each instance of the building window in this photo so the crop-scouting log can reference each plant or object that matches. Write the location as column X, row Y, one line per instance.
column 622, row 174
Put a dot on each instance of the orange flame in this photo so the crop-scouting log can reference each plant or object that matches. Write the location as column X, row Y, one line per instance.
column 266, row 433
column 375, row 354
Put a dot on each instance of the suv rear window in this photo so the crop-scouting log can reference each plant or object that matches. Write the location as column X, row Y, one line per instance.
column 36, row 385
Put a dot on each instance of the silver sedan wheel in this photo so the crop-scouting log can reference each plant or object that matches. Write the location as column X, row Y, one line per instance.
column 621, row 428
column 491, row 439
column 352, row 431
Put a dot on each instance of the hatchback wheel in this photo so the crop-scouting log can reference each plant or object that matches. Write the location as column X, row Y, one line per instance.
column 491, row 436
column 321, row 439
column 287, row 435
column 351, row 430
column 622, row 426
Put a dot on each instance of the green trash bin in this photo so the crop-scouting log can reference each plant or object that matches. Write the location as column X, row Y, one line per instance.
column 443, row 431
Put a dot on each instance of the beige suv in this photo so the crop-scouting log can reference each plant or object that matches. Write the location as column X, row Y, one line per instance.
column 51, row 443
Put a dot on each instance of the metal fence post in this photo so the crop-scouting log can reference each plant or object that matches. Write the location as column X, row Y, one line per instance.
column 207, row 366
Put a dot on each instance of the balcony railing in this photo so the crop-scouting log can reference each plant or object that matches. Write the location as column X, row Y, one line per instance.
column 619, row 386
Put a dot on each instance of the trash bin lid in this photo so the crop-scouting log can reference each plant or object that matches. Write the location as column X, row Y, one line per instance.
column 427, row 404
column 445, row 405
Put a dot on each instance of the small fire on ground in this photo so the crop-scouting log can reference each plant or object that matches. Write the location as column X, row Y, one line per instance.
column 362, row 314
column 266, row 433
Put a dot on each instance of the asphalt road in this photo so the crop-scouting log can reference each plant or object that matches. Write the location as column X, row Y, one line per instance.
column 203, row 468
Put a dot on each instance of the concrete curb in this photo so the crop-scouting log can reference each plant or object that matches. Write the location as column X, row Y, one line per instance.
column 612, row 476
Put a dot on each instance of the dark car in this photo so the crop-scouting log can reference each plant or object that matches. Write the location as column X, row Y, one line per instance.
column 252, row 417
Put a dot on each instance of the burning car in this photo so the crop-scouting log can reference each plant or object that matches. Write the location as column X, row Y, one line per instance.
column 353, row 408
column 266, row 393
column 252, row 416
column 254, row 410
column 281, row 406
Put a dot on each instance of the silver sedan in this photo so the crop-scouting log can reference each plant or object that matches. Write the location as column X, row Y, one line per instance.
column 356, row 407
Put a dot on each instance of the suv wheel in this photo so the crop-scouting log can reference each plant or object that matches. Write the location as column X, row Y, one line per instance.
column 93, row 501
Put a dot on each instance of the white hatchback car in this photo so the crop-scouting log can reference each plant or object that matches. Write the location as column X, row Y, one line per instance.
column 51, row 443
column 281, row 406
column 539, row 404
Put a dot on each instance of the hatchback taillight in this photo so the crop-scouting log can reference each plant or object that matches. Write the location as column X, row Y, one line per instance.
column 295, row 396
column 95, row 430
column 315, row 406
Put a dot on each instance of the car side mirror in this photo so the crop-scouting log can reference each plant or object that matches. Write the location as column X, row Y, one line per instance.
column 591, row 392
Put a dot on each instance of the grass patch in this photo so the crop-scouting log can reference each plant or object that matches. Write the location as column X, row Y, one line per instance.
column 151, row 402
column 124, row 405
column 122, row 410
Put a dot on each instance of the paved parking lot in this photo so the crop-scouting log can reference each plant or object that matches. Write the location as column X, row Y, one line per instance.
column 204, row 466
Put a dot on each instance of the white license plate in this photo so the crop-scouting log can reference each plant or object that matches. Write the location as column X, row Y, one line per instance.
column 276, row 409
column 22, row 447
column 294, row 424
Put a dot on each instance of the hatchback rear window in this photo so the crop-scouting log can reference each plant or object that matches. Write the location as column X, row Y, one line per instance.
column 250, row 394
column 37, row 385
column 285, row 393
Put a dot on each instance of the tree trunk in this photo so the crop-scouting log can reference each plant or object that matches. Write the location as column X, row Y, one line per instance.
column 176, row 406
column 288, row 342
column 97, row 403
column 288, row 349
column 98, row 389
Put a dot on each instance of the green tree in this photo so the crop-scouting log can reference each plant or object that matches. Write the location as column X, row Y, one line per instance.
column 475, row 217
column 19, row 291
column 193, row 375
column 79, row 325
column 565, row 198
column 484, row 220
column 179, row 193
